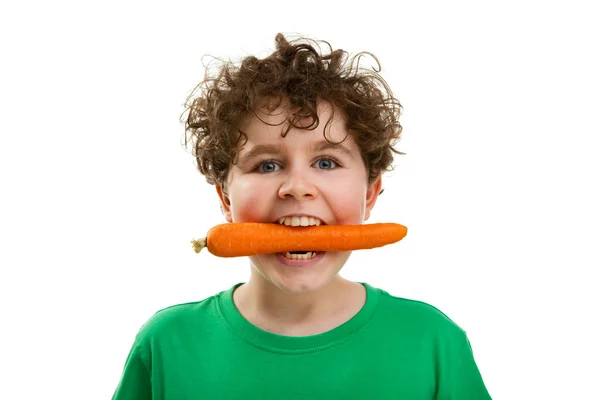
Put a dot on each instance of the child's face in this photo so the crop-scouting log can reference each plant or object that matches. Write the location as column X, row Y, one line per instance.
column 292, row 176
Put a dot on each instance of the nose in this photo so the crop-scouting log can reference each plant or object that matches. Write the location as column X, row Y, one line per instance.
column 297, row 186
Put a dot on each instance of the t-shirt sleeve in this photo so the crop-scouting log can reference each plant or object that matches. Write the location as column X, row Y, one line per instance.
column 135, row 381
column 462, row 379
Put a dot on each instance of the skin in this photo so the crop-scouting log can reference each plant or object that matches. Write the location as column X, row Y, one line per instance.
column 297, row 179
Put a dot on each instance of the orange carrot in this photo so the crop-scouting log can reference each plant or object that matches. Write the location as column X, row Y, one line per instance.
column 250, row 238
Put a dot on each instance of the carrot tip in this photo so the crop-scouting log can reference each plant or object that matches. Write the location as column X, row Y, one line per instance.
column 198, row 244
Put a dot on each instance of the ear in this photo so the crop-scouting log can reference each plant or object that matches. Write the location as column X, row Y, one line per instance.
column 373, row 193
column 225, row 203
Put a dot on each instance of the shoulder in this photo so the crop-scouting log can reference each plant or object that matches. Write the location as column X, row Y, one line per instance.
column 403, row 313
column 180, row 317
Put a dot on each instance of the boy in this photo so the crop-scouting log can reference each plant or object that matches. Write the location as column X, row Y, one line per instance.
column 299, row 138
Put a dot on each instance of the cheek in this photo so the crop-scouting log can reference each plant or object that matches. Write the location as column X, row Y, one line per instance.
column 248, row 202
column 348, row 207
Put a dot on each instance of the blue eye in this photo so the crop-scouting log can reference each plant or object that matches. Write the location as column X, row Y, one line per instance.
column 267, row 166
column 326, row 163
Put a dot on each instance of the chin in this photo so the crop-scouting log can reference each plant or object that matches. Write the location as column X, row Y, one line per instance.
column 302, row 285
column 300, row 280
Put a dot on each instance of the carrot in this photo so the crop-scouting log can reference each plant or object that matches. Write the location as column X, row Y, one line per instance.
column 250, row 238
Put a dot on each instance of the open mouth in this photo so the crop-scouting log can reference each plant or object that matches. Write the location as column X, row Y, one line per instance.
column 300, row 221
column 300, row 255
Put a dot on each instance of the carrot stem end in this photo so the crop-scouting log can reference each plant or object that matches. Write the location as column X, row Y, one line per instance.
column 198, row 244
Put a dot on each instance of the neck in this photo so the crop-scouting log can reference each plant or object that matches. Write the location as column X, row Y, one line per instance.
column 277, row 311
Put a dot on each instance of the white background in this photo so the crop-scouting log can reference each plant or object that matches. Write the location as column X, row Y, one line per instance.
column 499, row 187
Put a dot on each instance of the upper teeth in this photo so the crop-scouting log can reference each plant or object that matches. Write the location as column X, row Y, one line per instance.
column 299, row 221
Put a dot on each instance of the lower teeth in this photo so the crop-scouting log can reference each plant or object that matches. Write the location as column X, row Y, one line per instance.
column 306, row 256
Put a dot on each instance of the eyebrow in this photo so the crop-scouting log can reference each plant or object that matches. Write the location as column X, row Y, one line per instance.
column 261, row 149
column 325, row 145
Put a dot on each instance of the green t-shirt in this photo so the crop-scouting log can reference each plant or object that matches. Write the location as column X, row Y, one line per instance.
column 393, row 348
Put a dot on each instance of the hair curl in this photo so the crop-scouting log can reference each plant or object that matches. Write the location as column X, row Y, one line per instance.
column 301, row 75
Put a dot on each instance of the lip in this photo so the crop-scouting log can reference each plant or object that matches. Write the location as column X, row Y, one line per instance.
column 300, row 263
column 300, row 215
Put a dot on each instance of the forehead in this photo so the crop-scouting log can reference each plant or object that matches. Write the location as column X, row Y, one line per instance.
column 269, row 125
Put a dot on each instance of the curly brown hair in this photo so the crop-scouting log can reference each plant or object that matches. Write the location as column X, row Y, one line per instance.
column 301, row 75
